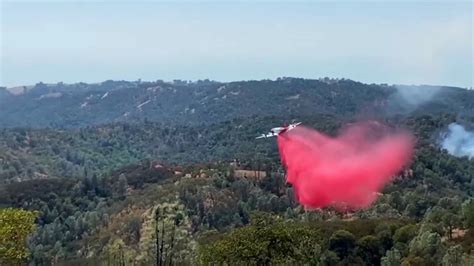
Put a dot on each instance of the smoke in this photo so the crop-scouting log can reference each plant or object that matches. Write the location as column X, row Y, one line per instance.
column 409, row 98
column 458, row 141
column 345, row 171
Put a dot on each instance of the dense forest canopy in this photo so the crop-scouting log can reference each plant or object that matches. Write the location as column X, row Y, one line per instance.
column 143, row 173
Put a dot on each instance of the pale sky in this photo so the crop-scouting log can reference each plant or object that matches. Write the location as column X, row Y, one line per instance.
column 395, row 42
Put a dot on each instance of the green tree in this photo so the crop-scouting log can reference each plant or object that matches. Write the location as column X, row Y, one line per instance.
column 122, row 186
column 15, row 226
column 392, row 258
column 468, row 214
column 369, row 249
column 264, row 244
column 342, row 243
column 405, row 234
column 428, row 246
column 453, row 256
column 450, row 221
column 396, row 200
column 116, row 253
column 328, row 258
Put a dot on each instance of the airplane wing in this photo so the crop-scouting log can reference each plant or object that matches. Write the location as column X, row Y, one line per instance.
column 292, row 126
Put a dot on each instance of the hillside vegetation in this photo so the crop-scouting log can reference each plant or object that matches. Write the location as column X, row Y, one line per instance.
column 181, row 102
column 99, row 210
column 125, row 191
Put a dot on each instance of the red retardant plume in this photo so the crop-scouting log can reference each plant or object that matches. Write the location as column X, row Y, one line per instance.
column 346, row 171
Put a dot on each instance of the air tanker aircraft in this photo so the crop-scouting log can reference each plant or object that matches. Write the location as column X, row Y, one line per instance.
column 278, row 130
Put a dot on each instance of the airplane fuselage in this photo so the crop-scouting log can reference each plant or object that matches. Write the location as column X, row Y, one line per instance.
column 278, row 130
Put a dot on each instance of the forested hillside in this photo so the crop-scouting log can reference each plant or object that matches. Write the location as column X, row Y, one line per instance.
column 45, row 153
column 182, row 102
column 91, row 207
column 117, row 189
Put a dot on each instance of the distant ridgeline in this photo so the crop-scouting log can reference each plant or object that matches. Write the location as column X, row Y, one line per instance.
column 181, row 102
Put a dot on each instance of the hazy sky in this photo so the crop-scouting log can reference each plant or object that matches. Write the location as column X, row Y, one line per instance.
column 396, row 42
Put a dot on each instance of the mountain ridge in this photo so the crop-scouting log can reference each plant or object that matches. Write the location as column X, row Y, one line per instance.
column 182, row 102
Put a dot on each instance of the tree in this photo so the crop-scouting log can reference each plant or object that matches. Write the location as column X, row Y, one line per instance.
column 122, row 186
column 116, row 253
column 15, row 226
column 453, row 256
column 450, row 221
column 385, row 239
column 427, row 245
column 468, row 214
column 392, row 258
column 328, row 258
column 132, row 227
column 159, row 235
column 177, row 220
column 396, row 200
column 264, row 243
column 171, row 237
column 405, row 234
column 342, row 242
column 369, row 249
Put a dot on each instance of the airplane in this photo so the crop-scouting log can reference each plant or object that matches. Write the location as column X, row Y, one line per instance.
column 278, row 130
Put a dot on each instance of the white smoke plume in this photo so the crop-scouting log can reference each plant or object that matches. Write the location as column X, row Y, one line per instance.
column 417, row 95
column 407, row 99
column 458, row 141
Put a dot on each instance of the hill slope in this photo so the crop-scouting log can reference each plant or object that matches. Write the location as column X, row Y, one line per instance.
column 180, row 102
column 99, row 188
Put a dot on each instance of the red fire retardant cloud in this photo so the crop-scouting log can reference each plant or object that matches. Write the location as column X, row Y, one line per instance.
column 345, row 171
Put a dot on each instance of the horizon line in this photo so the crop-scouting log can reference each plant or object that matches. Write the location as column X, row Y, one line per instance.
column 172, row 81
